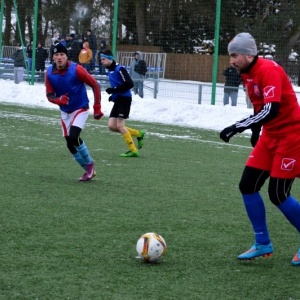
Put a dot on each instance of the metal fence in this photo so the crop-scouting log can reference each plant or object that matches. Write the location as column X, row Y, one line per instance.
column 156, row 62
column 155, row 85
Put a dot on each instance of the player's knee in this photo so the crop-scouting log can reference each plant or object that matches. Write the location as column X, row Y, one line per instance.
column 70, row 146
column 252, row 180
column 72, row 142
column 112, row 127
column 276, row 197
column 279, row 190
column 246, row 187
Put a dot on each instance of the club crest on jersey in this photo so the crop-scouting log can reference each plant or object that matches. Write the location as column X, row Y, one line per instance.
column 269, row 92
column 287, row 164
column 256, row 90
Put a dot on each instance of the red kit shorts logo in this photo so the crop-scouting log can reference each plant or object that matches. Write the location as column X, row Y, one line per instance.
column 287, row 164
column 269, row 92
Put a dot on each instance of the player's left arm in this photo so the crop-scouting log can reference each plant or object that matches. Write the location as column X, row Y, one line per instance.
column 52, row 97
column 84, row 76
column 127, row 82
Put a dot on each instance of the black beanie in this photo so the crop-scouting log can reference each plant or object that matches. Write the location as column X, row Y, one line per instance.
column 58, row 48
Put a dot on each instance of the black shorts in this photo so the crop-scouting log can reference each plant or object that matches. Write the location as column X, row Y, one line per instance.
column 121, row 108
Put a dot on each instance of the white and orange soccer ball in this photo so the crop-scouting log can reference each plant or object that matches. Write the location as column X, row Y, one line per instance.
column 151, row 247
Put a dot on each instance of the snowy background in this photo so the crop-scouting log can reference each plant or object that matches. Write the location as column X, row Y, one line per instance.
column 182, row 112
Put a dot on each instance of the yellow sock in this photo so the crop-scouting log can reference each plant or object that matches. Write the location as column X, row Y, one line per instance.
column 128, row 140
column 133, row 132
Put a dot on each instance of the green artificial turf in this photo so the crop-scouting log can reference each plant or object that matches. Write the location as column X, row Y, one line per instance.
column 65, row 239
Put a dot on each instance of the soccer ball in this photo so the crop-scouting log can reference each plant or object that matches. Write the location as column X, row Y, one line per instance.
column 151, row 247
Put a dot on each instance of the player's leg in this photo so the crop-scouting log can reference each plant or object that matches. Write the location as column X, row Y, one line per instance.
column 83, row 156
column 251, row 182
column 127, row 139
column 119, row 113
column 66, row 120
column 113, row 117
column 118, row 125
column 139, row 134
column 77, row 156
column 286, row 167
column 279, row 193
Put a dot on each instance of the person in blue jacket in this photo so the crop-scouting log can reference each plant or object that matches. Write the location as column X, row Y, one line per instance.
column 120, row 94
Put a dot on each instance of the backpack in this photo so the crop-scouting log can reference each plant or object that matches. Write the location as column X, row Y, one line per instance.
column 141, row 67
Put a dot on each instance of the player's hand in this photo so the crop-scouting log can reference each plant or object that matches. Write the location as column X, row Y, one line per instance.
column 64, row 99
column 109, row 90
column 227, row 133
column 98, row 114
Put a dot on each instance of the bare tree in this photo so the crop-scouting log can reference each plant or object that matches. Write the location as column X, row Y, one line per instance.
column 7, row 25
column 141, row 21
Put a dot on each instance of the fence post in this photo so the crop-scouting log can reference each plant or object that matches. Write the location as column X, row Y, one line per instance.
column 155, row 91
column 199, row 93
column 1, row 18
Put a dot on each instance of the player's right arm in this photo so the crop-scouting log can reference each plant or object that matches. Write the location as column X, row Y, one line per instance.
column 51, row 95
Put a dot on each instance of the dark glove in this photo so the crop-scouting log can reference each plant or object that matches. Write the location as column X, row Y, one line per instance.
column 227, row 133
column 98, row 114
column 110, row 90
column 254, row 137
column 110, row 98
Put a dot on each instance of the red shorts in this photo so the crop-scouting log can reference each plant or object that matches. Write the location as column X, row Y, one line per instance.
column 278, row 155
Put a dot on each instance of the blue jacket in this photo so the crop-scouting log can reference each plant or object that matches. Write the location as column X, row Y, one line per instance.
column 119, row 79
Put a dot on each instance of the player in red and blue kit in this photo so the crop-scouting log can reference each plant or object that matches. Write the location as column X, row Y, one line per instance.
column 275, row 127
column 65, row 86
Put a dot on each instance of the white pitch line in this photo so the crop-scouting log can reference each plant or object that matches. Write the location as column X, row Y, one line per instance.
column 56, row 120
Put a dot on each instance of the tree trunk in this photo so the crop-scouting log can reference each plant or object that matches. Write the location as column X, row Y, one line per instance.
column 7, row 31
column 141, row 21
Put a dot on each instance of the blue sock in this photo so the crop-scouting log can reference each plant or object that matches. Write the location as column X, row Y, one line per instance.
column 257, row 214
column 79, row 159
column 291, row 210
column 84, row 152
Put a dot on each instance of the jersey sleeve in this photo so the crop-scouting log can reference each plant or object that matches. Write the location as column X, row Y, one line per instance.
column 85, row 77
column 127, row 82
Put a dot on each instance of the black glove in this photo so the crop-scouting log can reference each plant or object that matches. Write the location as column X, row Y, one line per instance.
column 110, row 90
column 110, row 98
column 227, row 133
column 254, row 137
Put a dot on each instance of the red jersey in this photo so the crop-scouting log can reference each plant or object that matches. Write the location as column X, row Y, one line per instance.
column 267, row 82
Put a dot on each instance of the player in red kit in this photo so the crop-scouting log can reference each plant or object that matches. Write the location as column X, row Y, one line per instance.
column 275, row 127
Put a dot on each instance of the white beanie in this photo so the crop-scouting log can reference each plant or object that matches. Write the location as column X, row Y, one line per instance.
column 243, row 43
